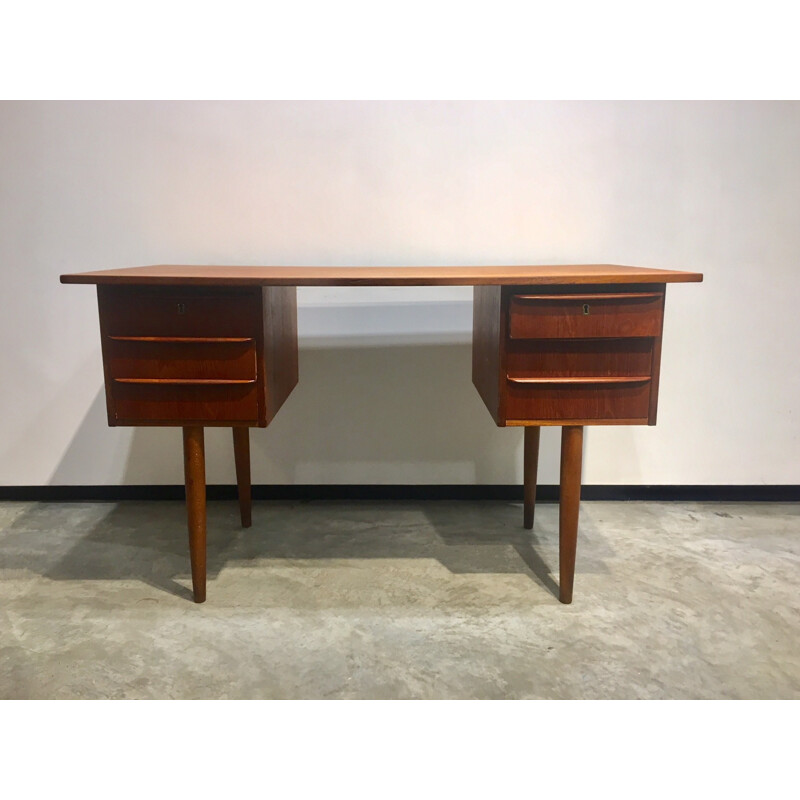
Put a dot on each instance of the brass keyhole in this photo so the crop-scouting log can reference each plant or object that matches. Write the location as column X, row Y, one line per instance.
column 182, row 308
column 585, row 308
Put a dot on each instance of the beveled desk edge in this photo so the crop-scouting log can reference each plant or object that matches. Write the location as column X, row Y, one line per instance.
column 186, row 275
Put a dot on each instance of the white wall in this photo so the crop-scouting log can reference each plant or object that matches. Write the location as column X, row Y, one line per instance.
column 385, row 394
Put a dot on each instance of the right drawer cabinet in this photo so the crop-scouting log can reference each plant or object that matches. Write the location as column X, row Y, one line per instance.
column 570, row 354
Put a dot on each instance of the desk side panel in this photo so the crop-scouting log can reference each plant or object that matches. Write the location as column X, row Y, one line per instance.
column 280, row 357
column 488, row 325
column 102, row 302
column 656, row 365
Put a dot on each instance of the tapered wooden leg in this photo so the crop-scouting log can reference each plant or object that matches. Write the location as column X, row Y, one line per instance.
column 194, row 469
column 571, row 457
column 530, row 467
column 241, row 452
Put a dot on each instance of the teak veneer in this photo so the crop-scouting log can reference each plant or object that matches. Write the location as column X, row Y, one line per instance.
column 193, row 347
column 178, row 275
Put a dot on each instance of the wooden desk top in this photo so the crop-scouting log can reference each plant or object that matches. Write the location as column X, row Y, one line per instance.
column 184, row 275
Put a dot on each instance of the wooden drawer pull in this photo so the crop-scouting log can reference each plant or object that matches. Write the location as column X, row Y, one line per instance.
column 580, row 381
column 582, row 297
column 184, row 339
column 185, row 381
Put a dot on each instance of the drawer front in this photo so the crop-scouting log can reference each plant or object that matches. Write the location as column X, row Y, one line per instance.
column 134, row 358
column 214, row 403
column 580, row 358
column 178, row 313
column 621, row 400
column 571, row 316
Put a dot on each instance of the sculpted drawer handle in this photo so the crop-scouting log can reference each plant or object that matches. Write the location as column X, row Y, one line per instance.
column 531, row 298
column 183, row 339
column 579, row 381
column 185, row 381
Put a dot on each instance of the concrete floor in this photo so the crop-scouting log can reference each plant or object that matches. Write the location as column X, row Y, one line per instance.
column 400, row 600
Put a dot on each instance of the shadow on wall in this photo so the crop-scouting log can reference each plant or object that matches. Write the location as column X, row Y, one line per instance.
column 359, row 415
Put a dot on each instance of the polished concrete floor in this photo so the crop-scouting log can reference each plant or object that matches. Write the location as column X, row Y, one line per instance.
column 400, row 600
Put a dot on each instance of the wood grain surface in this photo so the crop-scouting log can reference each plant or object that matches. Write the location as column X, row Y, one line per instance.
column 194, row 468
column 173, row 274
column 241, row 452
column 530, row 468
column 568, row 507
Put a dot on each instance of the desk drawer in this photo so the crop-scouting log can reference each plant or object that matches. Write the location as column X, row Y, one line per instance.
column 181, row 359
column 158, row 379
column 570, row 379
column 618, row 398
column 580, row 358
column 175, row 312
column 146, row 403
column 573, row 316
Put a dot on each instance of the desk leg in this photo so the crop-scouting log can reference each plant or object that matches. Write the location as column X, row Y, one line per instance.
column 241, row 452
column 194, row 470
column 529, row 469
column 569, row 501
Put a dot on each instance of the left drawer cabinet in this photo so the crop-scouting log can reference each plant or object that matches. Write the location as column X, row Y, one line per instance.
column 191, row 356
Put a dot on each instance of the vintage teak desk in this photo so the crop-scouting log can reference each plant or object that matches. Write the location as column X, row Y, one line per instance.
column 189, row 347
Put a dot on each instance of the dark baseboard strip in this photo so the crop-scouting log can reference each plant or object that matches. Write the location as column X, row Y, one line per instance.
column 781, row 493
